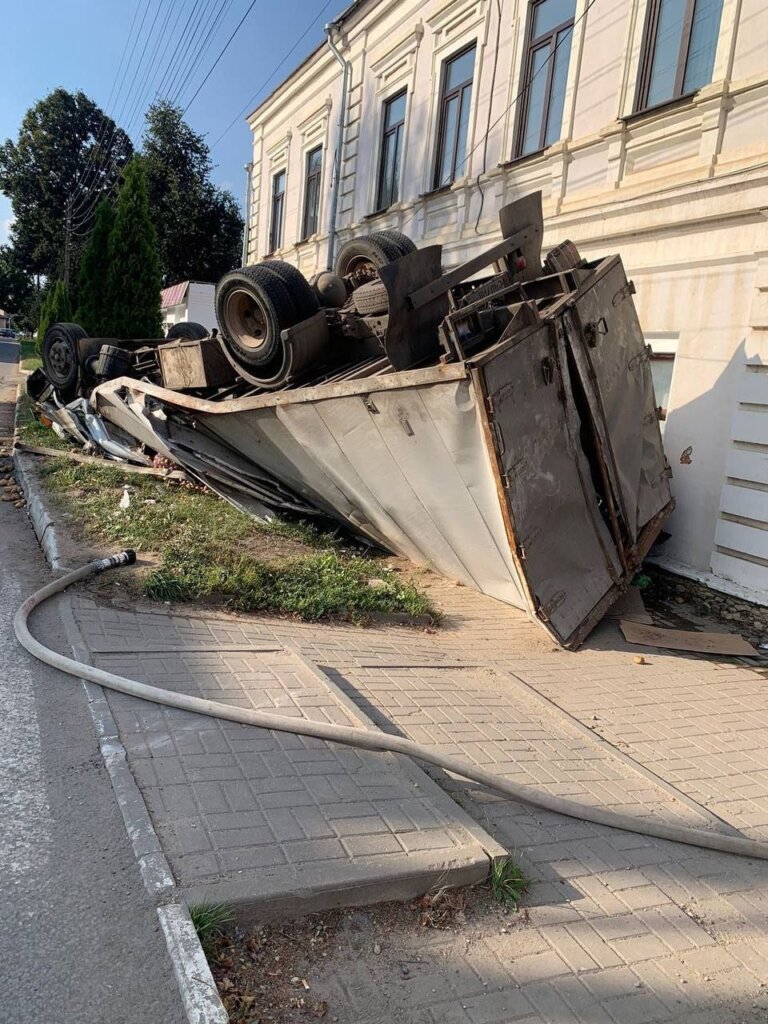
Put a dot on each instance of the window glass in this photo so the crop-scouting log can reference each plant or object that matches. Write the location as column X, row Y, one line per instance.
column 701, row 49
column 450, row 120
column 460, row 70
column 395, row 111
column 557, row 92
column 666, row 54
column 536, row 98
column 549, row 14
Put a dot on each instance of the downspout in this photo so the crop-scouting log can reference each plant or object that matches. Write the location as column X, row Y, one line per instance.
column 330, row 28
column 248, row 168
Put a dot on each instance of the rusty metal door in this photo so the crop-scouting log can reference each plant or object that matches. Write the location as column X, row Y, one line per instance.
column 612, row 359
column 563, row 545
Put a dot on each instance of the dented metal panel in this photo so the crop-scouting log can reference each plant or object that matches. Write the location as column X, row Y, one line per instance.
column 562, row 542
column 610, row 352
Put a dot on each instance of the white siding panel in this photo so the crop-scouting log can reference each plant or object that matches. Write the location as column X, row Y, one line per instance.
column 746, row 539
column 745, row 502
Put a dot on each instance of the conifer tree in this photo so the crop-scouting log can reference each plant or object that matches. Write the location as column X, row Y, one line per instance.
column 55, row 309
column 93, row 287
column 133, row 280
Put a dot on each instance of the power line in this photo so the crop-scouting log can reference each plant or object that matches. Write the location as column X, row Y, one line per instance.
column 221, row 54
column 273, row 72
column 80, row 183
column 178, row 55
column 196, row 42
column 205, row 46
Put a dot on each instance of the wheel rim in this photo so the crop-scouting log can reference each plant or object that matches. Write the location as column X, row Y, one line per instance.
column 361, row 268
column 246, row 320
column 61, row 360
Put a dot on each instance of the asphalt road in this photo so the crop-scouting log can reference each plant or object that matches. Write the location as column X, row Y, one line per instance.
column 80, row 942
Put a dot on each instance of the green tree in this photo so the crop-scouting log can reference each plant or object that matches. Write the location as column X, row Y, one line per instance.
column 66, row 147
column 93, row 307
column 55, row 309
column 133, row 280
column 199, row 226
column 16, row 285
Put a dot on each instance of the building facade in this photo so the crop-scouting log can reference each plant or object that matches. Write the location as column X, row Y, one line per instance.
column 645, row 125
column 188, row 300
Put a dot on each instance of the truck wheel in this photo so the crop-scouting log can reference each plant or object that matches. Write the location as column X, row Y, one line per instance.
column 252, row 307
column 61, row 358
column 398, row 239
column 304, row 299
column 361, row 257
column 188, row 329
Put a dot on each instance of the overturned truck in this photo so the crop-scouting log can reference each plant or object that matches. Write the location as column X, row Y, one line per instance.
column 496, row 422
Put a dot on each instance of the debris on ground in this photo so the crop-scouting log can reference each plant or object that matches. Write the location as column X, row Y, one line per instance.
column 701, row 642
column 282, row 972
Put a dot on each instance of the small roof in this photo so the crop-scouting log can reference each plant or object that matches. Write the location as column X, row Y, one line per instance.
column 173, row 294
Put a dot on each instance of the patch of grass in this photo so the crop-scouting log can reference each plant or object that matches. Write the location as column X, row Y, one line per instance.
column 29, row 357
column 317, row 586
column 209, row 920
column 508, row 882
column 212, row 552
column 32, row 431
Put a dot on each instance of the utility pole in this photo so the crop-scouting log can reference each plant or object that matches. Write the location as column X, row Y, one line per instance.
column 67, row 238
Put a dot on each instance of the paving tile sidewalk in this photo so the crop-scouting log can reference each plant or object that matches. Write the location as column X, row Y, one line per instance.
column 268, row 819
column 621, row 928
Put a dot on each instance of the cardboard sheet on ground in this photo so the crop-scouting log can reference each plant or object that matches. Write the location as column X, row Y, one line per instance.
column 685, row 640
column 630, row 606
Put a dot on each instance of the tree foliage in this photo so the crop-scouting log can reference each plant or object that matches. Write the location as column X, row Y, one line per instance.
column 133, row 280
column 55, row 309
column 93, row 306
column 199, row 226
column 15, row 284
column 66, row 146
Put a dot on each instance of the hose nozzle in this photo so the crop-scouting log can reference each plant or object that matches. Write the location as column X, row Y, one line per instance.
column 127, row 557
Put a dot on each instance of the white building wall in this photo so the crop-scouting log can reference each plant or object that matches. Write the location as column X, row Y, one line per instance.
column 200, row 304
column 681, row 192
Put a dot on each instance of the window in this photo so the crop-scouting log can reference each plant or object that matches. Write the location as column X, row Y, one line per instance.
column 455, row 100
column 391, row 151
column 550, row 31
column 312, row 191
column 679, row 49
column 278, row 207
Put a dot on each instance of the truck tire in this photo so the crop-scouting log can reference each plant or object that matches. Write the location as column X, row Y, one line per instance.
column 304, row 299
column 252, row 307
column 363, row 256
column 62, row 358
column 370, row 299
column 398, row 239
column 188, row 329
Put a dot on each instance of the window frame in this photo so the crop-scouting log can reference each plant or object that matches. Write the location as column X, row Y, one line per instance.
column 445, row 98
column 531, row 46
column 648, row 52
column 399, row 132
column 316, row 176
column 276, row 224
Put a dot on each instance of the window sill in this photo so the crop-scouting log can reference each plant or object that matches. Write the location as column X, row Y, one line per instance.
column 379, row 213
column 436, row 191
column 517, row 161
column 668, row 106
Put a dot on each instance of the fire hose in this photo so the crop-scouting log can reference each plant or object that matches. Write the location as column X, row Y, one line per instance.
column 365, row 739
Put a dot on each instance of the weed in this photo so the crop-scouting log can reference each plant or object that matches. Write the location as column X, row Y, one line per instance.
column 32, row 431
column 209, row 919
column 312, row 587
column 508, row 882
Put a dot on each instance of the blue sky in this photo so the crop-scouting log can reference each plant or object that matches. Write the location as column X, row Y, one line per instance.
column 78, row 44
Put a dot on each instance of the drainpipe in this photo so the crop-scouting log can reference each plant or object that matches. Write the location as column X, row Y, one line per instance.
column 247, row 226
column 330, row 28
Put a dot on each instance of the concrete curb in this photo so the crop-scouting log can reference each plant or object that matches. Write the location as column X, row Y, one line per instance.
column 193, row 975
